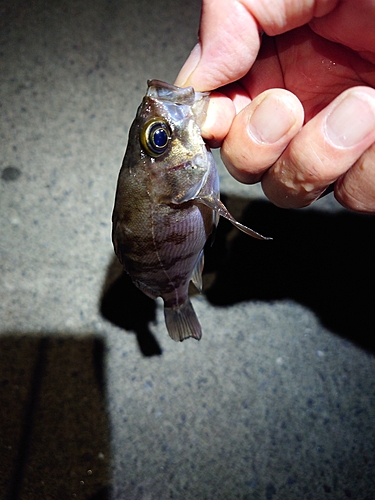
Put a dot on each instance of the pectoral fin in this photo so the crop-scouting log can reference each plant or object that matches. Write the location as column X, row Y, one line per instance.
column 221, row 209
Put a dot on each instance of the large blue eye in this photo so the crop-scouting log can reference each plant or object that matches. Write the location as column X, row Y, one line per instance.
column 158, row 137
column 155, row 137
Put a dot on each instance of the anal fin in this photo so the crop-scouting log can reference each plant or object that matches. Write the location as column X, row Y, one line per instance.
column 196, row 277
column 153, row 294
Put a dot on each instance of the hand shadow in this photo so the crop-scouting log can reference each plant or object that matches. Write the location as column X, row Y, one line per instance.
column 324, row 261
column 127, row 307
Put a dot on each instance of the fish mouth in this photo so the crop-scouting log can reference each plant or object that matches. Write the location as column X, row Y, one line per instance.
column 197, row 162
column 181, row 166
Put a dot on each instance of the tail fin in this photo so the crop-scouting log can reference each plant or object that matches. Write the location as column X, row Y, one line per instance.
column 182, row 322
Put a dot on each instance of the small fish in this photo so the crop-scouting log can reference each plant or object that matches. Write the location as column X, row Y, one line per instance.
column 167, row 202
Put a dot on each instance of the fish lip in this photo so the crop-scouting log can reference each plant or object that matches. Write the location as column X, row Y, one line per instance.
column 195, row 162
column 180, row 166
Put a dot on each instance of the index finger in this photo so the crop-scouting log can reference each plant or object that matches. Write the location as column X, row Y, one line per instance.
column 228, row 44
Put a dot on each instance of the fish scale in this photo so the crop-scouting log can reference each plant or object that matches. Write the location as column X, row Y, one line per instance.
column 167, row 202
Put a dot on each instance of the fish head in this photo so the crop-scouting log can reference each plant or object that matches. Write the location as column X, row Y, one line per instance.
column 167, row 140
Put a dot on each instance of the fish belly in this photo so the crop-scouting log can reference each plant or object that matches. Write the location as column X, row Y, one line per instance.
column 161, row 254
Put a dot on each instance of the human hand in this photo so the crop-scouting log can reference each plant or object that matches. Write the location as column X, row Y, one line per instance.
column 294, row 108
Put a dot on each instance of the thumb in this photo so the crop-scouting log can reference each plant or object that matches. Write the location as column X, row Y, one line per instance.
column 228, row 44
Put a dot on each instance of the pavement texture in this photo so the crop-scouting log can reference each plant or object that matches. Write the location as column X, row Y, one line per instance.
column 277, row 401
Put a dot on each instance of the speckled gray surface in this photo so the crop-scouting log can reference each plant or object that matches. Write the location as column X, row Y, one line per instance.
column 278, row 399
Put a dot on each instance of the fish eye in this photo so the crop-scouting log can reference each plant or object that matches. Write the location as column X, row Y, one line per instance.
column 155, row 137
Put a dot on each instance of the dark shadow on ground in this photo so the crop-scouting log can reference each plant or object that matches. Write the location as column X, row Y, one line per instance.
column 54, row 427
column 324, row 261
column 124, row 305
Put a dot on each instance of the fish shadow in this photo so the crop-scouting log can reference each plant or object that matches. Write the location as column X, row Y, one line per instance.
column 324, row 261
column 124, row 305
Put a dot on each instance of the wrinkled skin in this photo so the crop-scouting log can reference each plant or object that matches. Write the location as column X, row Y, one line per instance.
column 310, row 76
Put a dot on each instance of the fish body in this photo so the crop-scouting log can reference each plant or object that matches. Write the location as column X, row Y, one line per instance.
column 167, row 202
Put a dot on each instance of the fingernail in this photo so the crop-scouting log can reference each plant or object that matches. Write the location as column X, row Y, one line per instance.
column 271, row 120
column 351, row 120
column 189, row 66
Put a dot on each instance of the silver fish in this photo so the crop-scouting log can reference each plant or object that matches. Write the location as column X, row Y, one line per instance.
column 167, row 202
